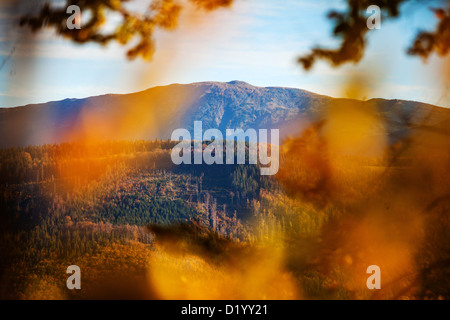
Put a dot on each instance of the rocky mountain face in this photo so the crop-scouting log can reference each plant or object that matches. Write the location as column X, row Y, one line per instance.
column 156, row 112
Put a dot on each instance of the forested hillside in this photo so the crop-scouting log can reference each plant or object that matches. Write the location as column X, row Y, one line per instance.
column 122, row 209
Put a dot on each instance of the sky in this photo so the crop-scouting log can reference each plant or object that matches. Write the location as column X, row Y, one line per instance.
column 257, row 41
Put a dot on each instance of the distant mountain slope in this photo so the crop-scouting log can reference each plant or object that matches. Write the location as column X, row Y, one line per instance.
column 156, row 112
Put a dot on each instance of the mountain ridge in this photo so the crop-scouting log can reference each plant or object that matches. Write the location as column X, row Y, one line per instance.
column 156, row 112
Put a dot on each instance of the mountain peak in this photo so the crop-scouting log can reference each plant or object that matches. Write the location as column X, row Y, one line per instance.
column 239, row 83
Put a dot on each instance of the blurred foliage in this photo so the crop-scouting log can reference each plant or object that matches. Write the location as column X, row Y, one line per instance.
column 350, row 26
column 160, row 14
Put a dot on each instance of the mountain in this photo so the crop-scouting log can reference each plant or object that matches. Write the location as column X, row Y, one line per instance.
column 156, row 112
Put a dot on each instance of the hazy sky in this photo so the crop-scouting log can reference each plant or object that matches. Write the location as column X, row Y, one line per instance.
column 256, row 41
